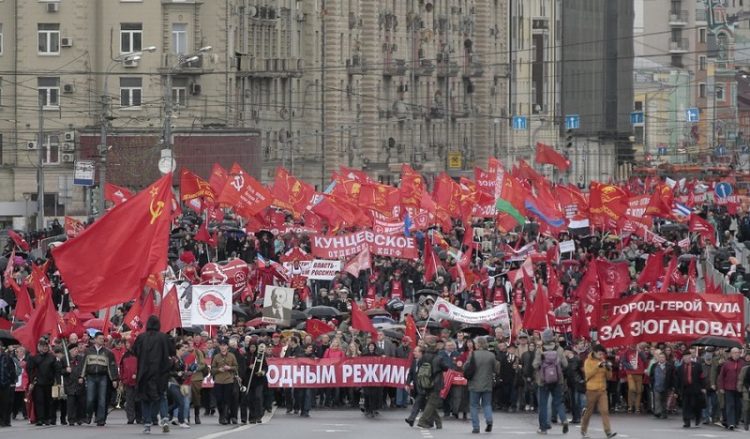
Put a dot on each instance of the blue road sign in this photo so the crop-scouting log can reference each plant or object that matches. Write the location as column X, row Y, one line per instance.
column 692, row 115
column 723, row 190
column 662, row 150
column 572, row 122
column 636, row 117
column 520, row 123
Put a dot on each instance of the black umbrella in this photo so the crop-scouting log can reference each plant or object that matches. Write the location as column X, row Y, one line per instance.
column 427, row 291
column 298, row 315
column 7, row 338
column 474, row 330
column 719, row 342
column 192, row 329
column 393, row 334
column 323, row 311
column 236, row 309
column 431, row 324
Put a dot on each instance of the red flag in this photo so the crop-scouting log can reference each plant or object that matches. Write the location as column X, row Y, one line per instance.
column 73, row 227
column 193, row 187
column 43, row 320
column 581, row 327
column 410, row 330
column 661, row 202
column 702, row 227
column 133, row 317
column 218, row 178
column 430, row 261
column 379, row 197
column 614, row 278
column 290, row 193
column 554, row 286
column 572, row 201
column 711, row 286
column 359, row 262
column 526, row 172
column 608, row 201
column 653, row 269
column 203, row 236
column 589, row 292
column 316, row 328
column 244, row 193
column 23, row 301
column 411, row 188
column 547, row 155
column 116, row 194
column 19, row 241
column 669, row 274
column 537, row 317
column 105, row 328
column 125, row 247
column 169, row 312
column 362, row 322
column 8, row 273
column 517, row 322
column 692, row 277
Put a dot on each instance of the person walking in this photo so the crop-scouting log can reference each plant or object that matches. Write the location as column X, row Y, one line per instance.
column 153, row 349
column 597, row 371
column 662, row 376
column 75, row 389
column 99, row 370
column 224, row 369
column 7, row 381
column 480, row 370
column 727, row 382
column 549, row 363
column 413, row 383
column 438, row 365
column 43, row 369
column 692, row 388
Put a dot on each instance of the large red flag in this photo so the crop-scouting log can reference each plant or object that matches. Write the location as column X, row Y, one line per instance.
column 411, row 188
column 169, row 312
column 537, row 317
column 430, row 261
column 218, row 178
column 410, row 330
column 43, row 319
column 110, row 262
column 290, row 193
column 661, row 202
column 316, row 328
column 669, row 275
column 608, row 201
column 379, row 197
column 116, row 194
column 193, row 187
column 547, row 155
column 614, row 278
column 244, row 193
column 362, row 322
column 702, row 227
column 19, row 241
column 653, row 269
column 23, row 301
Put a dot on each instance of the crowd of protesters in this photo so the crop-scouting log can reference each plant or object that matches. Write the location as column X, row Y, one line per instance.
column 177, row 379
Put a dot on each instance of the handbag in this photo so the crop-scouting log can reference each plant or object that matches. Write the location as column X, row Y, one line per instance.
column 185, row 389
column 470, row 368
column 58, row 391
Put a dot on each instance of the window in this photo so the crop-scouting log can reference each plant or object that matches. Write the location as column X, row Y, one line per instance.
column 51, row 149
column 179, row 38
column 179, row 97
column 131, row 37
column 702, row 63
column 638, row 105
column 49, row 92
column 702, row 35
column 131, row 90
column 720, row 92
column 1, row 38
column 49, row 38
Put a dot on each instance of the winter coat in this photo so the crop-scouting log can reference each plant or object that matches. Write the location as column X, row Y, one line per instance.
column 99, row 363
column 70, row 379
column 153, row 350
column 484, row 373
column 129, row 369
column 596, row 377
column 730, row 372
column 43, row 368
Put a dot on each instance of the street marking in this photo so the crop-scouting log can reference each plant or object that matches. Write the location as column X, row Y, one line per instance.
column 266, row 418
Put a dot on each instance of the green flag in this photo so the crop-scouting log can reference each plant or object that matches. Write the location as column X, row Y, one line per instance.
column 504, row 206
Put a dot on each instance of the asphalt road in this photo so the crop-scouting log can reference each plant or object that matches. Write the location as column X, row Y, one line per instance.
column 345, row 424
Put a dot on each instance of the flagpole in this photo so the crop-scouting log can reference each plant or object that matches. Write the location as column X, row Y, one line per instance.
column 423, row 334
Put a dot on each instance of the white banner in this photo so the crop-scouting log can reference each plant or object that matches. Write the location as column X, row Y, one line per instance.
column 211, row 305
column 444, row 310
column 323, row 269
column 567, row 246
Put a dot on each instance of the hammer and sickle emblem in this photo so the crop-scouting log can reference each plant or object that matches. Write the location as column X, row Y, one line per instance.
column 158, row 209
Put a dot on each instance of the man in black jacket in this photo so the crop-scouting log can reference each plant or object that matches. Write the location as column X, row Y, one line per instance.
column 42, row 369
column 153, row 349
column 74, row 390
column 413, row 383
column 661, row 376
column 99, row 372
column 8, row 379
column 690, row 381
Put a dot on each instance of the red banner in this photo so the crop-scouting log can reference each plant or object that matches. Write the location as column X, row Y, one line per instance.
column 388, row 227
column 335, row 247
column 670, row 317
column 330, row 372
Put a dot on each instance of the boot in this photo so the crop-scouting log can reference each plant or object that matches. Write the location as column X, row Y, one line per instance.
column 196, row 415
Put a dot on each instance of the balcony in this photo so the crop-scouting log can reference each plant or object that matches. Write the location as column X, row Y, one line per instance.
column 425, row 68
column 448, row 69
column 475, row 69
column 184, row 68
column 436, row 112
column 271, row 67
column 679, row 45
column 355, row 65
column 678, row 18
column 396, row 67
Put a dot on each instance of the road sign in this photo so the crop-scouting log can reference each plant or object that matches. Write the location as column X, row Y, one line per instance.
column 520, row 122
column 692, row 115
column 723, row 190
column 572, row 122
column 455, row 160
column 83, row 173
column 636, row 117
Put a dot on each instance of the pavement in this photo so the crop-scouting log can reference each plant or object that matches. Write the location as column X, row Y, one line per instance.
column 345, row 424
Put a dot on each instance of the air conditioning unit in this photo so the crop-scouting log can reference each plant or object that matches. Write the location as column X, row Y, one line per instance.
column 130, row 63
column 68, row 147
column 69, row 136
column 69, row 88
column 66, row 42
column 53, row 7
column 68, row 158
column 31, row 145
column 195, row 89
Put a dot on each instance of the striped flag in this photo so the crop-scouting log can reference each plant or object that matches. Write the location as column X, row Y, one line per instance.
column 681, row 210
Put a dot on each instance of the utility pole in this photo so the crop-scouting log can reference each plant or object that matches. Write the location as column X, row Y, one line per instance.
column 40, row 168
column 168, row 111
column 323, row 96
column 103, row 149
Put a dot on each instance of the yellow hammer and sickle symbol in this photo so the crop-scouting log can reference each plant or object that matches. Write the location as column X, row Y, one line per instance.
column 155, row 211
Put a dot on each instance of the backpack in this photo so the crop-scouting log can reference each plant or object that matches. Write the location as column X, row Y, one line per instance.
column 424, row 376
column 550, row 367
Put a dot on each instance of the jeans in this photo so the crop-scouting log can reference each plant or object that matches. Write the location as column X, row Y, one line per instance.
column 577, row 403
column 733, row 406
column 149, row 408
column 178, row 402
column 709, row 413
column 96, row 396
column 558, row 408
column 402, row 397
column 486, row 400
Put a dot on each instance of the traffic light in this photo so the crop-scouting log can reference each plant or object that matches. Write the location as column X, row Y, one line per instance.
column 569, row 138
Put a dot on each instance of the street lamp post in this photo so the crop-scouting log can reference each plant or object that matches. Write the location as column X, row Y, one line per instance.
column 105, row 118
